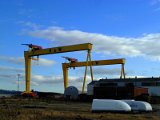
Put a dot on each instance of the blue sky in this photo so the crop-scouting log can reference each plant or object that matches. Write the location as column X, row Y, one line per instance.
column 116, row 28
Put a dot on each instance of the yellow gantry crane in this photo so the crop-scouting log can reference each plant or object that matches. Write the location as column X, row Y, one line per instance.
column 37, row 51
column 65, row 67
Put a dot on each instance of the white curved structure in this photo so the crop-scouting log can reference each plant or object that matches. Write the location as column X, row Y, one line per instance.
column 71, row 93
column 102, row 105
column 139, row 106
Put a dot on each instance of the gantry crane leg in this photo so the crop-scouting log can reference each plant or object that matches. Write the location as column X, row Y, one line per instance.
column 27, row 72
column 65, row 76
column 91, row 66
column 122, row 72
column 86, row 68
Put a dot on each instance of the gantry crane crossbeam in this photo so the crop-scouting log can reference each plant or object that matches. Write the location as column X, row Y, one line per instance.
column 60, row 49
column 95, row 63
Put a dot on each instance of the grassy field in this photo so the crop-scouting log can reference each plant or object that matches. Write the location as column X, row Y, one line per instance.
column 45, row 109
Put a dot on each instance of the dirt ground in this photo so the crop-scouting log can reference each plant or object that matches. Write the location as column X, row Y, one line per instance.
column 49, row 109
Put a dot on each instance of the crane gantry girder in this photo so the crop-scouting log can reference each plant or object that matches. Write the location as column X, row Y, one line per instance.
column 65, row 67
column 95, row 63
column 54, row 50
column 60, row 49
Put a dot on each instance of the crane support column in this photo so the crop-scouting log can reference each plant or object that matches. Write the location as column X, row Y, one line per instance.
column 123, row 72
column 86, row 68
column 65, row 76
column 27, row 72
column 91, row 67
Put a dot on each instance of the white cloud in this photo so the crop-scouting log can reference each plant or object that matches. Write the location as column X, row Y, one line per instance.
column 11, row 69
column 46, row 62
column 51, row 79
column 20, row 61
column 155, row 2
column 8, row 76
column 34, row 83
column 29, row 24
column 105, row 71
column 48, row 80
column 38, row 80
column 15, row 60
column 146, row 45
column 157, row 9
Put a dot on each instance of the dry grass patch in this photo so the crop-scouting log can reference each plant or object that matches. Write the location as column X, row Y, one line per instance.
column 15, row 109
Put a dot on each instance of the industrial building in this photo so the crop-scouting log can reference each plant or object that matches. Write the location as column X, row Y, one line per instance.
column 124, row 88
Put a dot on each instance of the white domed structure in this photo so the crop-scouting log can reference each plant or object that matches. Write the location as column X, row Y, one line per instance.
column 71, row 93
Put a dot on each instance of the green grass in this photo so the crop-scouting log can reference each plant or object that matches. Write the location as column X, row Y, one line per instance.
column 32, row 109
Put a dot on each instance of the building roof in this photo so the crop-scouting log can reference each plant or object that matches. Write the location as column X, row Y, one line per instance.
column 156, row 79
column 92, row 83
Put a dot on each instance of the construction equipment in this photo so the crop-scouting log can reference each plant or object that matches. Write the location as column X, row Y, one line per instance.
column 71, row 60
column 33, row 47
column 37, row 51
column 65, row 67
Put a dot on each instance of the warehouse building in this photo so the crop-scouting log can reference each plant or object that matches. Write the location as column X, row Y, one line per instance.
column 124, row 88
